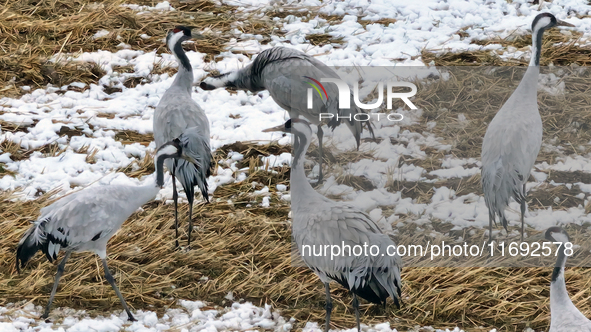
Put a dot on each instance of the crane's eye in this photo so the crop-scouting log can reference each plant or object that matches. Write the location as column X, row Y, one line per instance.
column 288, row 124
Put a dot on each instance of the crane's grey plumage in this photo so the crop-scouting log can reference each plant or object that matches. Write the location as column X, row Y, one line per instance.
column 286, row 73
column 514, row 137
column 564, row 316
column 87, row 219
column 320, row 221
column 175, row 113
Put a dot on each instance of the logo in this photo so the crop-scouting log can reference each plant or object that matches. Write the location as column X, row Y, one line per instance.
column 317, row 90
column 345, row 93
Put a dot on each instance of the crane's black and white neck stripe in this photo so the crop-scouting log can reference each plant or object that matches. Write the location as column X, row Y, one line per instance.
column 541, row 23
column 174, row 41
column 171, row 149
column 301, row 131
column 564, row 316
column 557, row 234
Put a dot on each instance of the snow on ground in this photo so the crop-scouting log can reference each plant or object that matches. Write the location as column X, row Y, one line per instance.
column 189, row 316
column 418, row 26
column 99, row 115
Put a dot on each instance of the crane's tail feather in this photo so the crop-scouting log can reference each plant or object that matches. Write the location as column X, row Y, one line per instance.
column 194, row 175
column 32, row 241
column 389, row 281
column 354, row 124
column 499, row 184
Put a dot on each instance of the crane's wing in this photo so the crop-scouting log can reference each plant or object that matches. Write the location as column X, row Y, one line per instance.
column 88, row 215
column 509, row 151
column 174, row 115
column 288, row 74
column 291, row 79
column 195, row 145
column 175, row 120
column 373, row 274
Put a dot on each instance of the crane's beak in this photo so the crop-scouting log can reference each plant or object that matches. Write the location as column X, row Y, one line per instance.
column 563, row 24
column 280, row 128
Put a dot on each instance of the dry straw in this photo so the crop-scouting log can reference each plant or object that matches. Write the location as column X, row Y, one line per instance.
column 246, row 249
column 243, row 248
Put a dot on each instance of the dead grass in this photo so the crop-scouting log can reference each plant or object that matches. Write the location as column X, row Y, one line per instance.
column 14, row 127
column 321, row 39
column 422, row 191
column 461, row 118
column 355, row 182
column 243, row 248
column 247, row 250
column 557, row 197
column 568, row 177
column 558, row 48
column 33, row 31
column 19, row 153
column 252, row 152
column 4, row 171
column 130, row 137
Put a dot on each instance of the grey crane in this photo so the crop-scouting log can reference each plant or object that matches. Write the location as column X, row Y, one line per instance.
column 318, row 222
column 514, row 137
column 564, row 316
column 87, row 219
column 176, row 112
column 287, row 74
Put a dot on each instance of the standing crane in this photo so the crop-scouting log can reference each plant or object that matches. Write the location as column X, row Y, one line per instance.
column 319, row 222
column 176, row 112
column 288, row 74
column 87, row 219
column 564, row 316
column 514, row 137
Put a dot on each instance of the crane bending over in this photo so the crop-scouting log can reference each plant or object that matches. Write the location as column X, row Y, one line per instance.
column 319, row 221
column 287, row 74
column 176, row 112
column 564, row 316
column 514, row 137
column 87, row 219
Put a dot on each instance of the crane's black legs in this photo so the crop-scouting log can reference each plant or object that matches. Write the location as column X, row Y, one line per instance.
column 328, row 306
column 522, row 213
column 356, row 309
column 111, row 280
column 58, row 275
column 320, row 133
column 190, row 219
column 175, row 198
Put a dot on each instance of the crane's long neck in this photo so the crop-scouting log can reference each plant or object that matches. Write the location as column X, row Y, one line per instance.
column 529, row 83
column 300, row 187
column 184, row 77
column 536, row 47
column 159, row 165
column 559, row 299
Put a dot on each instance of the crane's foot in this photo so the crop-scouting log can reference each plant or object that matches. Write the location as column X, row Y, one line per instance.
column 45, row 317
column 131, row 318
